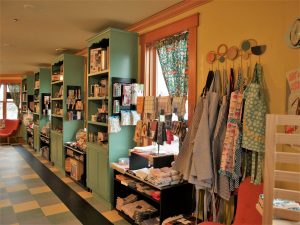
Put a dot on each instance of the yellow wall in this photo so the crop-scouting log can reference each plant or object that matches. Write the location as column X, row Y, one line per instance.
column 231, row 21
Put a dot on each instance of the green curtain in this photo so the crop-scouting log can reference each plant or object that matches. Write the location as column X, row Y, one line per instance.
column 14, row 90
column 172, row 53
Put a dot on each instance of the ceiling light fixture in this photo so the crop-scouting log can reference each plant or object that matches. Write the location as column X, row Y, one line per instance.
column 60, row 49
column 28, row 6
column 15, row 19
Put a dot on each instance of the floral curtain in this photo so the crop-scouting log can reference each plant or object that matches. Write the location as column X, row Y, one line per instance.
column 14, row 90
column 173, row 58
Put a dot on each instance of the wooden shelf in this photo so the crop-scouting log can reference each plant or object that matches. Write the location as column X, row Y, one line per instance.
column 24, row 111
column 138, row 192
column 57, row 82
column 38, row 114
column 100, row 73
column 98, row 123
column 55, row 115
column 24, row 101
column 57, row 99
column 98, row 98
column 36, row 101
column 36, row 88
column 24, row 91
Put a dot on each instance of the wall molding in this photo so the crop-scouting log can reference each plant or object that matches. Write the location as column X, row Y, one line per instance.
column 167, row 13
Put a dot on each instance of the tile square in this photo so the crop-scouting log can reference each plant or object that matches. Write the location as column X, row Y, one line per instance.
column 34, row 216
column 46, row 199
column 12, row 181
column 7, row 215
column 26, row 206
column 20, row 197
column 5, row 203
column 32, row 183
column 66, row 218
column 112, row 215
column 30, row 176
column 38, row 190
column 54, row 209
column 16, row 187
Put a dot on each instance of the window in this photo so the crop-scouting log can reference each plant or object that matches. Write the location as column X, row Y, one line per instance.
column 9, row 101
column 150, row 64
column 152, row 75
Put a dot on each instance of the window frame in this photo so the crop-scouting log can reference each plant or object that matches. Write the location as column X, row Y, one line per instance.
column 5, row 83
column 148, row 56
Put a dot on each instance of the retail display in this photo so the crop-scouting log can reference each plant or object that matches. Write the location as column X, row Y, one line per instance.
column 66, row 104
column 222, row 131
column 27, row 99
column 131, row 189
column 112, row 65
column 42, row 91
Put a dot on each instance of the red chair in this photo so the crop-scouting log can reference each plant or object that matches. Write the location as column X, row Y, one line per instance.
column 246, row 213
column 10, row 129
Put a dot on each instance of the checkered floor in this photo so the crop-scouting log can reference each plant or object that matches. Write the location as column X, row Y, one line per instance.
column 26, row 199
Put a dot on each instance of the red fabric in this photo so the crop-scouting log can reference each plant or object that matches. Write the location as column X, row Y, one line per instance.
column 246, row 213
column 10, row 127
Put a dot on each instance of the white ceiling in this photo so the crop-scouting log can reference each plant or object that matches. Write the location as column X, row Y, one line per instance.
column 45, row 25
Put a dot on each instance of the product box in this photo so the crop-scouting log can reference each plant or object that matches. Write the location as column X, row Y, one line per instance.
column 76, row 169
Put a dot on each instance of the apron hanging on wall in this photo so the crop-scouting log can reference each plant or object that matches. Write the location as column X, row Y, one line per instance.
column 254, row 122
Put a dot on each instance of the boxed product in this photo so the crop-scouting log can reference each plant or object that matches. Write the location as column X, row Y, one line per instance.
column 76, row 169
column 95, row 60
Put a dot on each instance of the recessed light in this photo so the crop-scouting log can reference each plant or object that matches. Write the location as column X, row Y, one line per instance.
column 60, row 49
column 28, row 6
column 15, row 19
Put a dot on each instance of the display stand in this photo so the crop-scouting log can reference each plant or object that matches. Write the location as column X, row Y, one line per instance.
column 112, row 54
column 174, row 199
column 67, row 74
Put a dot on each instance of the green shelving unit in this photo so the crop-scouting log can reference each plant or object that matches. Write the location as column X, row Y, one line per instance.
column 42, row 88
column 66, row 77
column 26, row 98
column 119, row 52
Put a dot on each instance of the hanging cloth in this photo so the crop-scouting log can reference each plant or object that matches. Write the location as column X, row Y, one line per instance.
column 254, row 122
column 220, row 182
column 231, row 153
column 184, row 158
column 164, row 106
column 201, row 173
column 201, row 168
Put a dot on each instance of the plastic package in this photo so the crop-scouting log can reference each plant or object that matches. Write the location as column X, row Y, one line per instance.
column 125, row 118
column 135, row 117
column 114, row 124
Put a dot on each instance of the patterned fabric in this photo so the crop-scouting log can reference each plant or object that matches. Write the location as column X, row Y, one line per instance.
column 140, row 104
column 138, row 131
column 164, row 103
column 178, row 106
column 173, row 57
column 232, row 133
column 149, row 104
column 255, row 113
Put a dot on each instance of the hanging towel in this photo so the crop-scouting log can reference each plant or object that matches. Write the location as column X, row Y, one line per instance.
column 184, row 158
column 202, row 173
column 140, row 104
column 164, row 106
column 231, row 153
column 255, row 121
column 149, row 104
column 178, row 105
